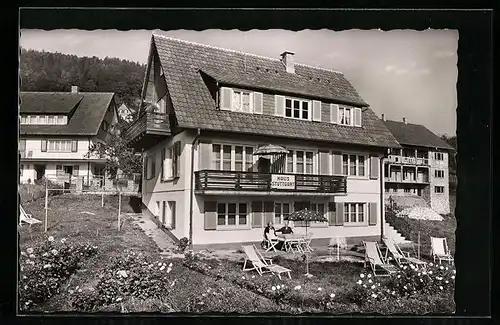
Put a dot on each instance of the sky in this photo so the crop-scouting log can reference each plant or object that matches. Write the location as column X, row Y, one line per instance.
column 400, row 73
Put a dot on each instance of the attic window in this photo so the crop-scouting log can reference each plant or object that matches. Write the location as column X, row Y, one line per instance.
column 44, row 119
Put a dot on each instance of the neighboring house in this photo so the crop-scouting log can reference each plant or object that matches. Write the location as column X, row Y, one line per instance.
column 56, row 131
column 125, row 113
column 419, row 169
column 215, row 107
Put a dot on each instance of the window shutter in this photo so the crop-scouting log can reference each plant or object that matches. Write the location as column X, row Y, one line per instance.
column 316, row 113
column 44, row 145
column 163, row 163
column 374, row 167
column 172, row 215
column 372, row 210
column 337, row 164
column 205, row 156
column 339, row 214
column 257, row 214
column 268, row 211
column 210, row 222
column 357, row 117
column 258, row 102
column 177, row 155
column 153, row 165
column 74, row 146
column 334, row 113
column 145, row 167
column 226, row 98
column 22, row 145
column 331, row 214
column 76, row 169
column 323, row 163
column 279, row 102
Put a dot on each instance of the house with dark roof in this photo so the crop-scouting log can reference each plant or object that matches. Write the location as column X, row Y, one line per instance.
column 56, row 131
column 211, row 115
column 417, row 173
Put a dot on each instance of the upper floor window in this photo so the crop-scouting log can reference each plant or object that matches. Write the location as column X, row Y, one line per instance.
column 353, row 165
column 438, row 189
column 44, row 119
column 345, row 116
column 438, row 156
column 439, row 173
column 232, row 157
column 241, row 101
column 59, row 146
column 299, row 162
column 296, row 108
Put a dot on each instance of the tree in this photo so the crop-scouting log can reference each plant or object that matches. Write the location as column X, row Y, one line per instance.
column 120, row 157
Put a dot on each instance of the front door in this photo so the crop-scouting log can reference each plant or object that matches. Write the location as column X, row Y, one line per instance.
column 39, row 172
column 68, row 170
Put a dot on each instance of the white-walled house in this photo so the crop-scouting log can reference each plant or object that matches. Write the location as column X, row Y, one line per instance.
column 56, row 131
column 216, row 106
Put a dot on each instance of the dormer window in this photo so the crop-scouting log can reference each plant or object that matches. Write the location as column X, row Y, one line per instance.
column 44, row 119
column 296, row 108
column 241, row 101
column 345, row 116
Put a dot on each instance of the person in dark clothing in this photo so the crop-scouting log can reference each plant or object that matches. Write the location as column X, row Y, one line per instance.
column 268, row 229
column 286, row 229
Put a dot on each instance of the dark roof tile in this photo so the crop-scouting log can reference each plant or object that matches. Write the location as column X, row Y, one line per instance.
column 416, row 135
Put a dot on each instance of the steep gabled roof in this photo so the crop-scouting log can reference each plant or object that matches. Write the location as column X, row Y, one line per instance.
column 48, row 102
column 416, row 135
column 86, row 119
column 184, row 63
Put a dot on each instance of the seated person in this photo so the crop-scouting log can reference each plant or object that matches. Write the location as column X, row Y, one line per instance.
column 268, row 229
column 286, row 229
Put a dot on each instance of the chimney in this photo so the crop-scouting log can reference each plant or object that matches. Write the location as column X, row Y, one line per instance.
column 404, row 120
column 383, row 116
column 287, row 59
column 74, row 89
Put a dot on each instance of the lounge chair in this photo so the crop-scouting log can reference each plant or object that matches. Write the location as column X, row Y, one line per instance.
column 260, row 263
column 375, row 258
column 272, row 241
column 399, row 256
column 26, row 218
column 440, row 251
column 337, row 243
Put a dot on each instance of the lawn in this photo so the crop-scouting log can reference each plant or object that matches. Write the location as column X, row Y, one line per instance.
column 124, row 271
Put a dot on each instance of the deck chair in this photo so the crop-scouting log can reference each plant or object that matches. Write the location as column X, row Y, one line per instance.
column 337, row 243
column 260, row 263
column 272, row 241
column 400, row 256
column 26, row 218
column 440, row 251
column 375, row 259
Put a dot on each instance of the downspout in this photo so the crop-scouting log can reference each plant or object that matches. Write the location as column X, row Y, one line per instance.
column 382, row 193
column 191, row 193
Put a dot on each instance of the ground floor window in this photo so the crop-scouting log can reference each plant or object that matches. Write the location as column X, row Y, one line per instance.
column 168, row 214
column 21, row 168
column 232, row 214
column 281, row 212
column 354, row 213
column 438, row 189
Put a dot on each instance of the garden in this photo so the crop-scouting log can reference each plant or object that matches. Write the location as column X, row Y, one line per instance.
column 84, row 264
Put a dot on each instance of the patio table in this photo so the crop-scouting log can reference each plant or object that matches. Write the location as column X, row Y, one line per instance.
column 292, row 239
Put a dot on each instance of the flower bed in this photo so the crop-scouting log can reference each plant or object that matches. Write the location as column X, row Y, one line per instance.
column 46, row 267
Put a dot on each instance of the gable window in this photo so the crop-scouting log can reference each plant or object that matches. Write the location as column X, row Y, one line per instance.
column 438, row 156
column 241, row 101
column 232, row 157
column 345, row 116
column 353, row 165
column 300, row 162
column 438, row 189
column 232, row 214
column 298, row 109
column 439, row 173
column 354, row 213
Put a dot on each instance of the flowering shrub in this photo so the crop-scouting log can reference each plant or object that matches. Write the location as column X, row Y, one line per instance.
column 132, row 275
column 46, row 267
column 183, row 244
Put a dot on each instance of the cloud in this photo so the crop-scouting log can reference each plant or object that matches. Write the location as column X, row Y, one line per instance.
column 390, row 68
column 444, row 54
column 410, row 69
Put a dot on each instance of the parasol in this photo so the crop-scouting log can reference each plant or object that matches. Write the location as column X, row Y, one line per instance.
column 306, row 216
column 270, row 149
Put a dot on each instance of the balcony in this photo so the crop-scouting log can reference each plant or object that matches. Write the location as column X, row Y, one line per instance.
column 395, row 159
column 213, row 182
column 406, row 181
column 147, row 130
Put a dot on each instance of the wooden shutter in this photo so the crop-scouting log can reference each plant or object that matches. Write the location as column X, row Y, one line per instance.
column 268, row 211
column 76, row 170
column 316, row 111
column 44, row 145
column 153, row 165
column 205, row 156
column 339, row 214
column 372, row 213
column 176, row 165
column 226, row 98
column 162, row 163
column 337, row 163
column 279, row 102
column 257, row 214
column 374, row 168
column 357, row 116
column 258, row 102
column 323, row 163
column 334, row 113
column 331, row 214
column 145, row 167
column 74, row 145
column 172, row 215
column 210, row 222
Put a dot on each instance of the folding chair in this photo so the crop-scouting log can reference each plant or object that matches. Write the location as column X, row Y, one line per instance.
column 260, row 263
column 26, row 218
column 440, row 251
column 272, row 241
column 399, row 255
column 336, row 243
column 374, row 257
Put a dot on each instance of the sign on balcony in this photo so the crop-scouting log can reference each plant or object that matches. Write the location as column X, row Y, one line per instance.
column 283, row 182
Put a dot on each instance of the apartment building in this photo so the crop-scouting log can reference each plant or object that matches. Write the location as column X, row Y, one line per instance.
column 420, row 168
column 212, row 109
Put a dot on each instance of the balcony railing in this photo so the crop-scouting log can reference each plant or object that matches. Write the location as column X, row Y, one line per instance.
column 407, row 180
column 148, row 124
column 408, row 160
column 207, row 180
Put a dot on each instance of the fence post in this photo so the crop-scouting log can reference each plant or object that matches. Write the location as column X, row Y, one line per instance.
column 119, row 208
column 46, row 204
column 102, row 199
